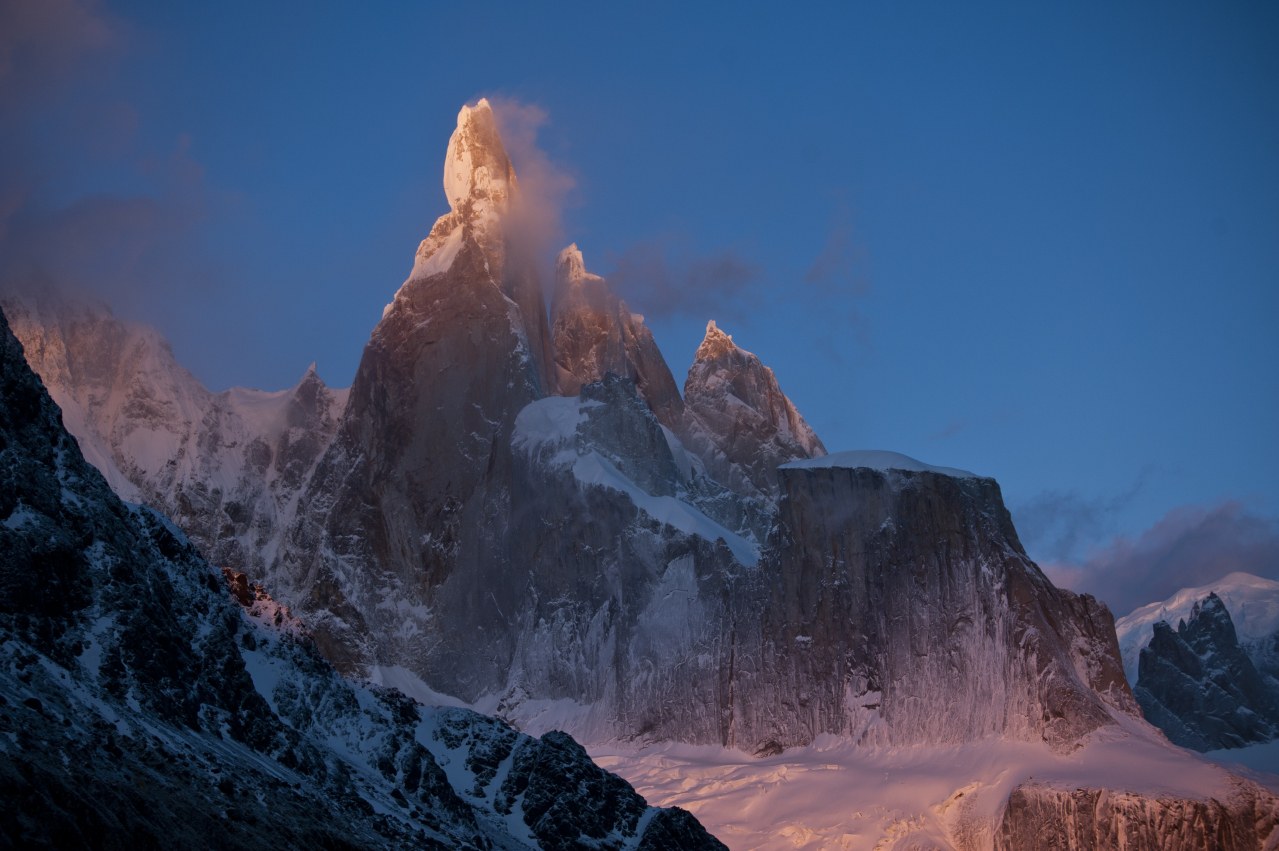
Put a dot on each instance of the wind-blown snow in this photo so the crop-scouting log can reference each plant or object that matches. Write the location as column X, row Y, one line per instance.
column 552, row 421
column 1253, row 603
column 876, row 459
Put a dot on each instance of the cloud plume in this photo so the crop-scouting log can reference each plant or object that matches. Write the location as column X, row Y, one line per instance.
column 1057, row 525
column 547, row 188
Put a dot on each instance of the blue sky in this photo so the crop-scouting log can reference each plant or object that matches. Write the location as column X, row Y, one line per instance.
column 1037, row 242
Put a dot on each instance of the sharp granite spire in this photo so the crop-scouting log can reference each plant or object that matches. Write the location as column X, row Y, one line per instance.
column 595, row 333
column 477, row 171
column 739, row 420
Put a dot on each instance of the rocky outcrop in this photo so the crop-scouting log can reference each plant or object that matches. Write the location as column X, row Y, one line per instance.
column 149, row 709
column 1043, row 817
column 596, row 334
column 1199, row 686
column 738, row 420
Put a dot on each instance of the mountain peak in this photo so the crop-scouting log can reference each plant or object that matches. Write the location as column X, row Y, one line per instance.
column 476, row 167
column 715, row 343
column 570, row 267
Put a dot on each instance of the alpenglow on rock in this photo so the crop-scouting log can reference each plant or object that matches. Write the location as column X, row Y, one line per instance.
column 577, row 562
column 405, row 514
column 466, row 533
column 738, row 419
column 596, row 333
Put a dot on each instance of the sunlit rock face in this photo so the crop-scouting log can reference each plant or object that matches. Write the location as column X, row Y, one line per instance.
column 738, row 420
column 227, row 467
column 595, row 333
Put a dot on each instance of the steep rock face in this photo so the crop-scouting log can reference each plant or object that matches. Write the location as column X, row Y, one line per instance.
column 891, row 606
column 595, row 333
column 227, row 467
column 918, row 618
column 1043, row 817
column 155, row 711
column 738, row 420
column 404, row 519
column 1199, row 686
column 627, row 582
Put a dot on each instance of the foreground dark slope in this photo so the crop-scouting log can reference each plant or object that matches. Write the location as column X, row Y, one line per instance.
column 140, row 707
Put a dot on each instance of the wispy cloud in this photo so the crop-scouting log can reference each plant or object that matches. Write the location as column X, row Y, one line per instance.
column 46, row 44
column 842, row 266
column 949, row 430
column 1058, row 525
column 837, row 281
column 1190, row 546
column 660, row 280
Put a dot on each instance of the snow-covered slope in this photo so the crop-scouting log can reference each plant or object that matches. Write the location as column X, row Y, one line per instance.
column 142, row 707
column 1253, row 603
column 1124, row 788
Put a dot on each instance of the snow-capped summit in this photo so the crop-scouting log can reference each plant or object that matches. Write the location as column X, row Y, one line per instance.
column 227, row 466
column 1198, row 685
column 595, row 333
column 479, row 183
column 739, row 420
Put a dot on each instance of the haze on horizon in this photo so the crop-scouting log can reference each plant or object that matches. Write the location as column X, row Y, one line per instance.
column 1036, row 244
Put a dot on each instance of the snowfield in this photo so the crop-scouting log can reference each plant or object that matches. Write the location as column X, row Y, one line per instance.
column 835, row 795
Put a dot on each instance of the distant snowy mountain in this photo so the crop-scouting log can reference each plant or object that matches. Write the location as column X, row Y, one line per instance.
column 1207, row 670
column 1253, row 603
column 1199, row 686
column 143, row 707
column 228, row 467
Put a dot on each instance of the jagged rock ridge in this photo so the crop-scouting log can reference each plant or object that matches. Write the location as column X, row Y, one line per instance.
column 1198, row 685
column 228, row 467
column 146, row 707
column 739, row 420
column 433, row 536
